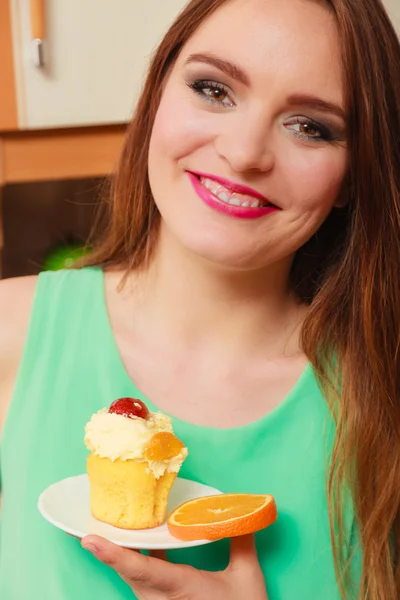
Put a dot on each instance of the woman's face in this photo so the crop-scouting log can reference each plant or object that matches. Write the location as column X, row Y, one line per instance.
column 248, row 149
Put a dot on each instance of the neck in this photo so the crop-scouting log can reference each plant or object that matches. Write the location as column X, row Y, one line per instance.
column 187, row 298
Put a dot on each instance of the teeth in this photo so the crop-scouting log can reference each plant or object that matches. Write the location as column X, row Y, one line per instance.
column 226, row 196
column 223, row 196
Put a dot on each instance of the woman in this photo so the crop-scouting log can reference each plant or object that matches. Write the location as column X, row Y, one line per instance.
column 255, row 228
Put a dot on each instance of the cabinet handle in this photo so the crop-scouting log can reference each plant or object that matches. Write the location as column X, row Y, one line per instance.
column 38, row 30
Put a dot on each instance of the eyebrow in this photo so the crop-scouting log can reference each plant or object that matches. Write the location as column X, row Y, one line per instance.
column 224, row 66
column 235, row 72
column 317, row 104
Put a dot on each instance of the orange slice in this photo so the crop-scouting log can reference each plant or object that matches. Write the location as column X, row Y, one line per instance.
column 163, row 446
column 221, row 516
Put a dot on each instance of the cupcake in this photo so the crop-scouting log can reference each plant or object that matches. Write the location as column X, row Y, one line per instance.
column 134, row 460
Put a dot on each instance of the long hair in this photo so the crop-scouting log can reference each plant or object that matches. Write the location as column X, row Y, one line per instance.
column 348, row 273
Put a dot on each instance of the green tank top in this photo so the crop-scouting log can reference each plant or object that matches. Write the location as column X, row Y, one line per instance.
column 70, row 369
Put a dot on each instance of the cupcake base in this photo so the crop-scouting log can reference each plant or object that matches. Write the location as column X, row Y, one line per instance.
column 126, row 494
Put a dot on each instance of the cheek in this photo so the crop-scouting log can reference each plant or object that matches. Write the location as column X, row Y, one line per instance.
column 316, row 177
column 179, row 129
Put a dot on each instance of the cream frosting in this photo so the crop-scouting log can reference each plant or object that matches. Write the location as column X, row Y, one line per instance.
column 109, row 435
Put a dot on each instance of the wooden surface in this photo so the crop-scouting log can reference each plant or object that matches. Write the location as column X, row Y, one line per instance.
column 38, row 19
column 59, row 154
column 8, row 100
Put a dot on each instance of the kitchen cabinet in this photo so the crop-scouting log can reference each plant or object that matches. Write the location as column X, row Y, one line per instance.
column 393, row 8
column 95, row 54
column 67, row 118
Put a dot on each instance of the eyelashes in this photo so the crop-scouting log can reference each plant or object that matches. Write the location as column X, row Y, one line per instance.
column 304, row 128
column 212, row 91
column 309, row 126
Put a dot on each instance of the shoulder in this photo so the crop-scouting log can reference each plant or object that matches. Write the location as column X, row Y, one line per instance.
column 16, row 300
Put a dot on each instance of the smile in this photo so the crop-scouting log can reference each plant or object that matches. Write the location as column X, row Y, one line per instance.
column 234, row 198
column 230, row 198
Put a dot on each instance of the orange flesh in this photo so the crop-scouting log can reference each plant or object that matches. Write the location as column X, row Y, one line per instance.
column 225, row 515
column 220, row 509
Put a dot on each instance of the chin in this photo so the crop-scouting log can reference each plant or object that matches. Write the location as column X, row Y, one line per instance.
column 222, row 248
column 225, row 256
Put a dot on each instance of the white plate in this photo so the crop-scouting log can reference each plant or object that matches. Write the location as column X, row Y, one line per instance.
column 66, row 505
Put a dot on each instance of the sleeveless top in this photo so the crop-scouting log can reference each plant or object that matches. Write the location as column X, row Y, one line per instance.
column 70, row 369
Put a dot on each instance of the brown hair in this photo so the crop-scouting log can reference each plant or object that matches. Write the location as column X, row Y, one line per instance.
column 349, row 273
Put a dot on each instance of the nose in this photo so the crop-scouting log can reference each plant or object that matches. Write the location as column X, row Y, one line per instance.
column 244, row 144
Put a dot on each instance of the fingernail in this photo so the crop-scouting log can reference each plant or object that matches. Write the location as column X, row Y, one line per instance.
column 90, row 548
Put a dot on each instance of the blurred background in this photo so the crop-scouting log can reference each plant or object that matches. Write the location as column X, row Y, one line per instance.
column 70, row 74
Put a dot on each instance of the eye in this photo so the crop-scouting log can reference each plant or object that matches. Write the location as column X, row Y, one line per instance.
column 309, row 129
column 212, row 91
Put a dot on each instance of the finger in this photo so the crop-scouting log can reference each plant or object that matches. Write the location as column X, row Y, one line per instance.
column 135, row 568
column 160, row 554
column 245, row 565
column 243, row 550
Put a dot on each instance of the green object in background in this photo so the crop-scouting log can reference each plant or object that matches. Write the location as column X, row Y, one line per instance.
column 64, row 256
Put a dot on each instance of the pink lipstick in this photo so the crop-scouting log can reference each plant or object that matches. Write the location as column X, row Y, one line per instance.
column 227, row 197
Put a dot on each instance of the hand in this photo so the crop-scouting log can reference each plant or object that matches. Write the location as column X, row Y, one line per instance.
column 153, row 578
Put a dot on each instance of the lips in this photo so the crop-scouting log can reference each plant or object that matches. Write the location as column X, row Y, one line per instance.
column 232, row 193
column 229, row 198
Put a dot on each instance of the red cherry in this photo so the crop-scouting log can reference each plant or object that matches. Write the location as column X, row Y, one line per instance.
column 129, row 407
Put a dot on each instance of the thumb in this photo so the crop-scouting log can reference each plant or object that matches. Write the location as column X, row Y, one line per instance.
column 136, row 568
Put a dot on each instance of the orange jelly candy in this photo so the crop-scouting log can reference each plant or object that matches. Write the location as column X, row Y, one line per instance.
column 163, row 446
